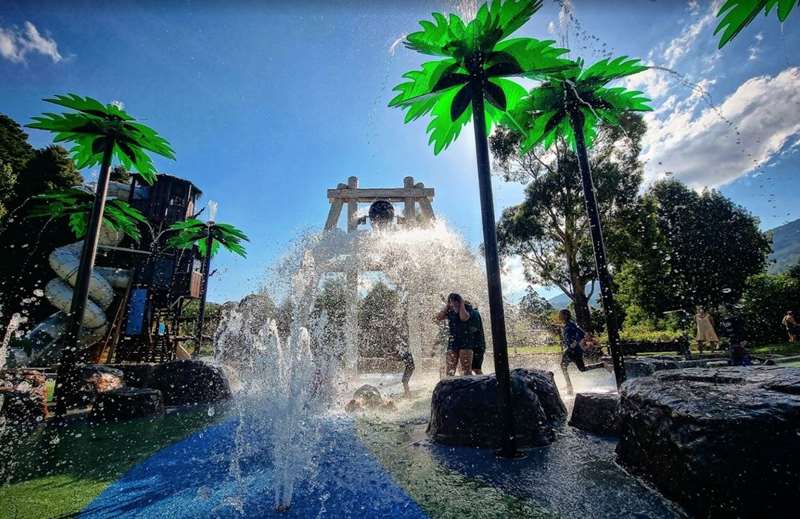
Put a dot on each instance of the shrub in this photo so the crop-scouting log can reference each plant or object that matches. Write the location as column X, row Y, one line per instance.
column 765, row 300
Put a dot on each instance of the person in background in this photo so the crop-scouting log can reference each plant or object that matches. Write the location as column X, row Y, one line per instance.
column 477, row 338
column 408, row 369
column 460, row 345
column 573, row 336
column 705, row 330
column 731, row 327
column 790, row 323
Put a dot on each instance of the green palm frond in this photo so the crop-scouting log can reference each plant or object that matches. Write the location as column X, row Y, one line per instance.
column 544, row 114
column 193, row 232
column 735, row 15
column 76, row 205
column 93, row 126
column 475, row 52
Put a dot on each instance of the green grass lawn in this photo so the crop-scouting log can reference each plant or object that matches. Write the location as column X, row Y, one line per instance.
column 53, row 472
column 780, row 348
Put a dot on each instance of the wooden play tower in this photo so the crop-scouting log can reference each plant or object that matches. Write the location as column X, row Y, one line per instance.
column 417, row 212
column 412, row 196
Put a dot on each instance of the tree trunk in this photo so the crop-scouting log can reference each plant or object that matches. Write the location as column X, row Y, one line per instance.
column 580, row 302
column 603, row 276
column 71, row 356
column 500, row 346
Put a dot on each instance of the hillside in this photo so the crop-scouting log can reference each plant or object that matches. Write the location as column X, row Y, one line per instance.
column 785, row 247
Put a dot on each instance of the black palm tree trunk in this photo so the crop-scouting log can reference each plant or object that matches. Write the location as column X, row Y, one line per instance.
column 72, row 354
column 606, row 290
column 201, row 312
column 504, row 403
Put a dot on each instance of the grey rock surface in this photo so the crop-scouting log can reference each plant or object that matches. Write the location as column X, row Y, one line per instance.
column 464, row 410
column 722, row 442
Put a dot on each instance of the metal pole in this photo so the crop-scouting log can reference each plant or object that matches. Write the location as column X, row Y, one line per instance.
column 66, row 382
column 504, row 403
column 201, row 313
column 606, row 290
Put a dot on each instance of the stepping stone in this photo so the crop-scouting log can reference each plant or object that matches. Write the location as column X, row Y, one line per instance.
column 126, row 404
column 596, row 413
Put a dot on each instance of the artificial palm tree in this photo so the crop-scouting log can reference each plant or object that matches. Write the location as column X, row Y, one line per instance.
column 207, row 237
column 737, row 14
column 76, row 206
column 569, row 105
column 471, row 81
column 98, row 133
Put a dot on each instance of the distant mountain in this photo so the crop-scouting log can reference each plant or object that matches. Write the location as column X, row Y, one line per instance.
column 562, row 301
column 785, row 247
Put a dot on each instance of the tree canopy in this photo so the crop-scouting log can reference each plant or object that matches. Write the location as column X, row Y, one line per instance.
column 549, row 230
column 694, row 249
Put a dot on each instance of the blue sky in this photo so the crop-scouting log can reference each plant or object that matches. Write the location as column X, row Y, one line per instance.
column 268, row 104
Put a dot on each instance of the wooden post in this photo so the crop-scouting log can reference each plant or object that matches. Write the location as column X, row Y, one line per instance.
column 352, row 205
column 409, row 209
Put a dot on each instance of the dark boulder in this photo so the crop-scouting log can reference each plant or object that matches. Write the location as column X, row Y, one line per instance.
column 126, row 404
column 644, row 367
column 596, row 413
column 137, row 374
column 23, row 397
column 190, row 382
column 464, row 410
column 369, row 397
column 95, row 379
column 722, row 442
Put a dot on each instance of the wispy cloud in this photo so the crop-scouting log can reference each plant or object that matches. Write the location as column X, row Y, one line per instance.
column 16, row 44
column 714, row 146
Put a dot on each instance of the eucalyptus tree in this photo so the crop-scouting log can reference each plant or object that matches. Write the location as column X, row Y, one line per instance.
column 470, row 81
column 570, row 105
column 207, row 237
column 735, row 15
column 98, row 133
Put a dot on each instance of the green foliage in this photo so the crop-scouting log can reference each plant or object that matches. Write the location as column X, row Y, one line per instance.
column 76, row 206
column 689, row 249
column 546, row 112
column 642, row 334
column 120, row 174
column 49, row 169
column 735, row 15
column 94, row 126
column 477, row 57
column 765, row 300
column 549, row 230
column 382, row 330
column 192, row 232
column 14, row 148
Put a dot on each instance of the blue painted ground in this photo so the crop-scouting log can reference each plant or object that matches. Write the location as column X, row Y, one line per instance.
column 192, row 479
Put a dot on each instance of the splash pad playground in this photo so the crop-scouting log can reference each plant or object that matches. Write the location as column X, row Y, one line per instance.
column 282, row 445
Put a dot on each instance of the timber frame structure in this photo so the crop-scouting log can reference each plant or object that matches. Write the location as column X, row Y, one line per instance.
column 417, row 212
column 411, row 195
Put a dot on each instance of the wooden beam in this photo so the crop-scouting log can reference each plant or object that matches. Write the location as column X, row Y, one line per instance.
column 372, row 194
column 409, row 208
column 333, row 215
column 425, row 208
column 352, row 206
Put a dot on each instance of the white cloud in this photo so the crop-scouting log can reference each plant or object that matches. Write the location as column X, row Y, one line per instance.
column 679, row 46
column 717, row 145
column 16, row 44
column 513, row 278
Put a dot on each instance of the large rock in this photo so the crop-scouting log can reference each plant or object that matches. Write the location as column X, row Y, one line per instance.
column 95, row 379
column 721, row 442
column 23, row 396
column 127, row 403
column 137, row 374
column 596, row 413
column 368, row 397
column 190, row 382
column 464, row 410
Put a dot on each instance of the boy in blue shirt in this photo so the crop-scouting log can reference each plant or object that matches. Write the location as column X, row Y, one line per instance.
column 573, row 337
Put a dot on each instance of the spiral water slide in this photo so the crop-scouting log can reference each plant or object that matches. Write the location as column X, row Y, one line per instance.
column 64, row 261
